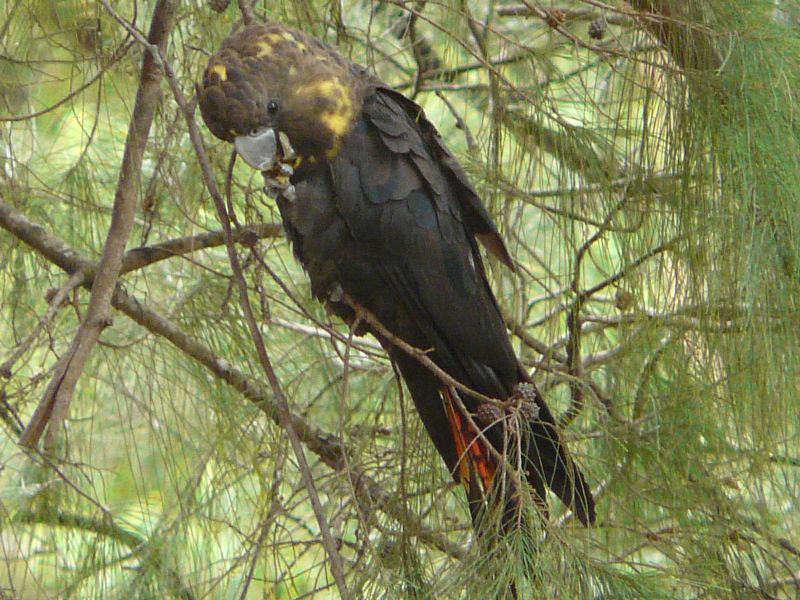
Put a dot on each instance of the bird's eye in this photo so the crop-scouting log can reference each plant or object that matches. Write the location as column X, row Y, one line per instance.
column 254, row 132
column 273, row 106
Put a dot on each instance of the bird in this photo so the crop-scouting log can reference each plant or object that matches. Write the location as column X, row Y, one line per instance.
column 386, row 223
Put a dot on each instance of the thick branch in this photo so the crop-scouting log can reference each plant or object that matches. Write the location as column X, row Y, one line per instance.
column 55, row 403
column 70, row 260
column 141, row 257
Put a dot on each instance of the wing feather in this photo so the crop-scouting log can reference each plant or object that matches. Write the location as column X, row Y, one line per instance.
column 404, row 209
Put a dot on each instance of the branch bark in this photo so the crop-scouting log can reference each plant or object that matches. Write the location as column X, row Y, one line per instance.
column 54, row 405
column 147, row 255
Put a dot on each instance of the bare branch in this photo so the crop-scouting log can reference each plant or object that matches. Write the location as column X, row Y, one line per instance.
column 137, row 258
column 54, row 405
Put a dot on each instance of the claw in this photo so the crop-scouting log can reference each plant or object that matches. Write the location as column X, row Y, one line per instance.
column 277, row 184
column 288, row 153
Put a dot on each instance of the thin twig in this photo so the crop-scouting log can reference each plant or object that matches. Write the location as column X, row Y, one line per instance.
column 416, row 353
column 116, row 57
column 472, row 145
column 518, row 329
column 74, row 281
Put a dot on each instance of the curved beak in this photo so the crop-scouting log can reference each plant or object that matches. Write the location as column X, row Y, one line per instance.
column 259, row 149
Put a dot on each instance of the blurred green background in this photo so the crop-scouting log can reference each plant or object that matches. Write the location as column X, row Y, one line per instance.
column 640, row 159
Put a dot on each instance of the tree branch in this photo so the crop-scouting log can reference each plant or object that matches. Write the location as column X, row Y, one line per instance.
column 75, row 280
column 147, row 255
column 327, row 446
column 54, row 405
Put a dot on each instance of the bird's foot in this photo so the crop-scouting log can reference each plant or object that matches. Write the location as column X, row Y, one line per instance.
column 276, row 182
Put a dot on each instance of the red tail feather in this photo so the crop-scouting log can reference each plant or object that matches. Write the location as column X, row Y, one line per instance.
column 473, row 456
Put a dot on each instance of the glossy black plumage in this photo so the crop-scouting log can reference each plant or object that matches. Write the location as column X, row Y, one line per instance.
column 390, row 218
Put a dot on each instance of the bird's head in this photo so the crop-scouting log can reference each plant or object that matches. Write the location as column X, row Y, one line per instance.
column 269, row 87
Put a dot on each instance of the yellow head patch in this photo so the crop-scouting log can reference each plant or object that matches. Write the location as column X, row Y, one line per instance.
column 264, row 49
column 219, row 70
column 338, row 113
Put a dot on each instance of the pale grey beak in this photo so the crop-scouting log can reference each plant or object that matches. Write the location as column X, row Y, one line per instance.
column 259, row 148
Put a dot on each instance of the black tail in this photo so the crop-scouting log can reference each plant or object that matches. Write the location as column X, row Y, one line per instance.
column 550, row 464
column 547, row 461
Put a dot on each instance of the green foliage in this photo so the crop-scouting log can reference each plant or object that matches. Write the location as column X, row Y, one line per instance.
column 647, row 183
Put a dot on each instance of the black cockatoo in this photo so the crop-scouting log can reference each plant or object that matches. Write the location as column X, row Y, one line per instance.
column 383, row 217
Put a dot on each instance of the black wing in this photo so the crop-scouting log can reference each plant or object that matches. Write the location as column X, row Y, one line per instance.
column 407, row 215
